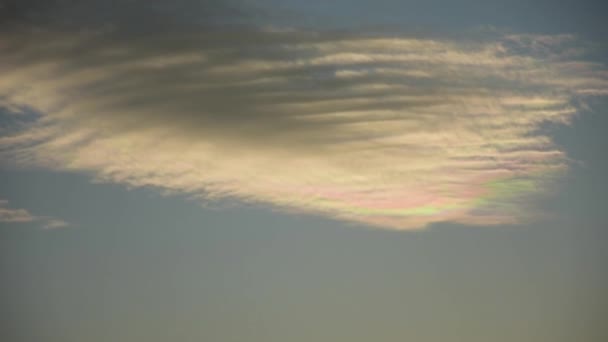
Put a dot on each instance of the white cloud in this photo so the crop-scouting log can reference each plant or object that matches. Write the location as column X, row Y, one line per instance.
column 398, row 133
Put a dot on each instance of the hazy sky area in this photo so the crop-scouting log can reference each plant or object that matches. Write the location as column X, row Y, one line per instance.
column 265, row 170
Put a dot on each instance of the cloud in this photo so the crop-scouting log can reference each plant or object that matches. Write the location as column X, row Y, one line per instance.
column 10, row 215
column 136, row 16
column 391, row 131
column 55, row 224
column 14, row 215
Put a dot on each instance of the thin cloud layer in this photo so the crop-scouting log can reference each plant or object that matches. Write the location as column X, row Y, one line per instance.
column 391, row 131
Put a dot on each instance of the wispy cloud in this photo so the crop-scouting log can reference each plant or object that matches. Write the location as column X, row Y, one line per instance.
column 12, row 215
column 397, row 132
column 51, row 223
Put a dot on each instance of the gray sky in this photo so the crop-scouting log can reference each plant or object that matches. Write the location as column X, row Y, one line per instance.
column 286, row 171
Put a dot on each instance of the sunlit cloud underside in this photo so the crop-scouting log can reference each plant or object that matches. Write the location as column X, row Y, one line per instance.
column 391, row 131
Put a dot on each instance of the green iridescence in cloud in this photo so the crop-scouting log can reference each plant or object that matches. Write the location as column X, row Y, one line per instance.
column 395, row 132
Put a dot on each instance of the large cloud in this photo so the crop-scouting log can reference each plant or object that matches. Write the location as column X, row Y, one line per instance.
column 393, row 131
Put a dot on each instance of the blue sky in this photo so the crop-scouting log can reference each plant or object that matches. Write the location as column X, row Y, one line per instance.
column 288, row 171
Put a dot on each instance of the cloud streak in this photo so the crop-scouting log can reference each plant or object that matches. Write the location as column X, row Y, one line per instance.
column 391, row 131
column 16, row 216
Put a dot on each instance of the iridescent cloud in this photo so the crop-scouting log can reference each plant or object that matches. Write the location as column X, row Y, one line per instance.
column 397, row 132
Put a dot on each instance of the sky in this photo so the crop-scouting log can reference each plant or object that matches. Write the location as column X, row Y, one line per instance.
column 293, row 171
